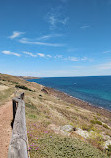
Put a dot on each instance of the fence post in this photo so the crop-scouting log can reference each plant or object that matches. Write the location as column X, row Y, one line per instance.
column 18, row 143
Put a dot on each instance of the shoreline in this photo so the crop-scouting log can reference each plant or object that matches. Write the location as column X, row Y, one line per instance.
column 78, row 102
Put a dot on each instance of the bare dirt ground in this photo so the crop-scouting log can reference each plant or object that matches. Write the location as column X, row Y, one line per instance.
column 5, row 128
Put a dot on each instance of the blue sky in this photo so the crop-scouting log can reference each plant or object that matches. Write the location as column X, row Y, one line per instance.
column 49, row 38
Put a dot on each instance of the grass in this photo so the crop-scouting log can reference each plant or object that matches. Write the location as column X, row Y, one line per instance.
column 5, row 95
column 32, row 116
column 31, row 106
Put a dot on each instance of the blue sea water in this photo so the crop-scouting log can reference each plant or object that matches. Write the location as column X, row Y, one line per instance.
column 94, row 89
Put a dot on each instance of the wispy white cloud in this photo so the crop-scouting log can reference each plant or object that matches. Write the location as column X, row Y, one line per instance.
column 47, row 37
column 16, row 34
column 30, row 54
column 107, row 51
column 84, row 58
column 41, row 54
column 56, row 17
column 10, row 53
column 58, row 57
column 37, row 54
column 54, row 21
column 26, row 41
column 49, row 56
column 72, row 58
column 84, row 26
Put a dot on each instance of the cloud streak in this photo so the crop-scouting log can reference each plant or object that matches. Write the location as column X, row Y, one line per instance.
column 72, row 59
column 10, row 53
column 75, row 59
column 41, row 54
column 26, row 41
column 105, row 52
column 16, row 34
column 30, row 54
column 47, row 37
column 84, row 26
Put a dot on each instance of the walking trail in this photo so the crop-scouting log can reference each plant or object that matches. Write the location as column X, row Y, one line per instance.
column 5, row 128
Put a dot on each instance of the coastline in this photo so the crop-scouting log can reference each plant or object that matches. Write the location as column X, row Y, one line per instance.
column 28, row 77
column 78, row 102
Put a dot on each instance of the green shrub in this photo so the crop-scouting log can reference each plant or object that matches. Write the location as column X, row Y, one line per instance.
column 32, row 116
column 105, row 126
column 23, row 87
column 51, row 146
column 96, row 122
column 87, row 127
column 93, row 121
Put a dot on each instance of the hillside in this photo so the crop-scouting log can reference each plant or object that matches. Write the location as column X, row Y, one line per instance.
column 56, row 126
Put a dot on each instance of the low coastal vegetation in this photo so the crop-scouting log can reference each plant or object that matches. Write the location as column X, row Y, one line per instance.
column 57, row 127
column 23, row 87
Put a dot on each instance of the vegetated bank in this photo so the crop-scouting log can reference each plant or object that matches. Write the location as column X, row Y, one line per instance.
column 58, row 126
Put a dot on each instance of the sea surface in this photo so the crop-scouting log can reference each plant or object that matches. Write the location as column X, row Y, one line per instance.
column 94, row 89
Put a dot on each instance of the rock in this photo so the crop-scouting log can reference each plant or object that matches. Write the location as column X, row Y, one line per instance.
column 61, row 130
column 67, row 128
column 83, row 133
column 44, row 90
column 107, row 143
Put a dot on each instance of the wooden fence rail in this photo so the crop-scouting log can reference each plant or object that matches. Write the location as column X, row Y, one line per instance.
column 18, row 144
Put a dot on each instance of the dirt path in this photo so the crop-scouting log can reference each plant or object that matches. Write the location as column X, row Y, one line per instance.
column 5, row 128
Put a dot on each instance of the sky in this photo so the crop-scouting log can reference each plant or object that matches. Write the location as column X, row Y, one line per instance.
column 55, row 38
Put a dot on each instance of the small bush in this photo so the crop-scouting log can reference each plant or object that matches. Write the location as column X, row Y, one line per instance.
column 105, row 126
column 93, row 121
column 23, row 87
column 32, row 116
column 96, row 122
column 87, row 127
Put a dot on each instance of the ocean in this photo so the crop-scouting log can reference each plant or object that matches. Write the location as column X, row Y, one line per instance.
column 94, row 89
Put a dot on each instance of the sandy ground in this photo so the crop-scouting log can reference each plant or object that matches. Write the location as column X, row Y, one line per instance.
column 2, row 87
column 5, row 128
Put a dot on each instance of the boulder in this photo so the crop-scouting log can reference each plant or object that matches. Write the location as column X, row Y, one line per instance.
column 44, row 90
column 67, row 128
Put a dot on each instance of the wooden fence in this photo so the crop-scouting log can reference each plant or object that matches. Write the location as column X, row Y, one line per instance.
column 18, row 144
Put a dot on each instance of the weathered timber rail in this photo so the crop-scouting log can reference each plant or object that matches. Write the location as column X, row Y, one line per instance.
column 18, row 144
